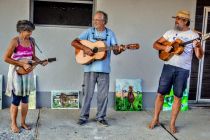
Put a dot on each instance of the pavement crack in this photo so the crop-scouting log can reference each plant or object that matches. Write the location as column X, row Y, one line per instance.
column 168, row 131
column 37, row 125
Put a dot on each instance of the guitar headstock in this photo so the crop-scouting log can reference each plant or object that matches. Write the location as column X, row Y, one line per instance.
column 133, row 46
column 206, row 36
column 51, row 59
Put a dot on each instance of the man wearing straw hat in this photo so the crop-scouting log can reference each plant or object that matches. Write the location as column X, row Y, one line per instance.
column 176, row 70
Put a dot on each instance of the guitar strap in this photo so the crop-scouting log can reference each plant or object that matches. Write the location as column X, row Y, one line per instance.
column 99, row 39
column 34, row 44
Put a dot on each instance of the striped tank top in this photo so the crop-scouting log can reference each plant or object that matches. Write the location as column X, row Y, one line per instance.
column 22, row 52
column 20, row 85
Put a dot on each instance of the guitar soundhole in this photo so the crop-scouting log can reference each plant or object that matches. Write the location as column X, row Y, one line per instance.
column 95, row 50
column 30, row 62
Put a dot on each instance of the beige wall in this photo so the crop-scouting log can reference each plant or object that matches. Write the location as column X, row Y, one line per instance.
column 133, row 21
column 141, row 21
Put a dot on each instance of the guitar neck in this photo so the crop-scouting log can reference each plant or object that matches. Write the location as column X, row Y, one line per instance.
column 188, row 42
column 107, row 48
column 39, row 62
column 42, row 61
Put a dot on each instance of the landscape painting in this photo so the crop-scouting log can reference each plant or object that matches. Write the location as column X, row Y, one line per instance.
column 128, row 95
column 65, row 99
column 169, row 99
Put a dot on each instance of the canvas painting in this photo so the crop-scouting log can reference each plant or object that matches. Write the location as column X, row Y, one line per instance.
column 169, row 99
column 32, row 97
column 65, row 99
column 128, row 95
column 1, row 83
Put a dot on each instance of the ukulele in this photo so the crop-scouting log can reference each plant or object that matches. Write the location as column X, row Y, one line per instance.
column 22, row 71
column 99, row 49
column 177, row 47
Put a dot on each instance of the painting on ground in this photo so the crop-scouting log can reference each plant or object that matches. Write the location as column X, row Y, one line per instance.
column 65, row 99
column 169, row 99
column 128, row 95
column 32, row 96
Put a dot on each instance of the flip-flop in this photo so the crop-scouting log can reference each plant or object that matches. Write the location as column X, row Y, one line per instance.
column 26, row 128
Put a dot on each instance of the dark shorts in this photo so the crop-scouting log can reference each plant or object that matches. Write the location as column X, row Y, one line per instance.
column 173, row 76
column 16, row 99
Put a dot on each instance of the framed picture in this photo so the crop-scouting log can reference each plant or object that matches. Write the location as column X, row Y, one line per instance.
column 1, row 83
column 128, row 96
column 65, row 99
column 169, row 100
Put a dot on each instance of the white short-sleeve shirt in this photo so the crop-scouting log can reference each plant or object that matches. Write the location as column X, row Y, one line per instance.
column 183, row 60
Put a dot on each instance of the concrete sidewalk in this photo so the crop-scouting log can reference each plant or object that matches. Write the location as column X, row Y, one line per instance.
column 48, row 124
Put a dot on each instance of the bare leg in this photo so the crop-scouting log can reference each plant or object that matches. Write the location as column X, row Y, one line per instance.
column 24, row 111
column 13, row 115
column 158, row 107
column 175, row 111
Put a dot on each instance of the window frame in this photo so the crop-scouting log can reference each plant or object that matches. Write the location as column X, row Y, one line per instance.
column 31, row 10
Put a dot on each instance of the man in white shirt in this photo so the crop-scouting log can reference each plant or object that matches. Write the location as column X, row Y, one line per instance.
column 176, row 70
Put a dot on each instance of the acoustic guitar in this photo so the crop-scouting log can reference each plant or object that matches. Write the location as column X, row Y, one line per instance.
column 177, row 47
column 100, row 50
column 22, row 71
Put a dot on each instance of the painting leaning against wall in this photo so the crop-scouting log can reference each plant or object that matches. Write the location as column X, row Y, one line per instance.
column 32, row 97
column 169, row 99
column 128, row 96
column 65, row 99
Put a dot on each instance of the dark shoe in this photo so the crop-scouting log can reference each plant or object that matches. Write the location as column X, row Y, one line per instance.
column 81, row 122
column 103, row 123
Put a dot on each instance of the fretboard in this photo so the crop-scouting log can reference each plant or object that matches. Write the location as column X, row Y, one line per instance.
column 107, row 48
column 188, row 42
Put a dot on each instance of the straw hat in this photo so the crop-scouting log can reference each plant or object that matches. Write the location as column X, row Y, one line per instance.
column 182, row 14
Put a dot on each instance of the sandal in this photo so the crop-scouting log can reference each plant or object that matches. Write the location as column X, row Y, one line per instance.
column 26, row 127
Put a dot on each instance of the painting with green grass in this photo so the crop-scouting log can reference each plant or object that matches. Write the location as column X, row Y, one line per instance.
column 65, row 99
column 32, row 97
column 169, row 99
column 128, row 95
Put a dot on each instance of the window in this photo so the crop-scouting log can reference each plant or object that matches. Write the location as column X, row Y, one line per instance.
column 67, row 12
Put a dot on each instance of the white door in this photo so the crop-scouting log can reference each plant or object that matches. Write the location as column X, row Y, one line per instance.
column 203, row 88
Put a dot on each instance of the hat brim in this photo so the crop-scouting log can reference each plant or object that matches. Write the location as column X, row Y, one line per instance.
column 181, row 17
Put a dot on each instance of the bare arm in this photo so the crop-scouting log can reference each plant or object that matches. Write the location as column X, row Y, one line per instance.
column 198, row 50
column 9, row 52
column 159, row 46
column 76, row 44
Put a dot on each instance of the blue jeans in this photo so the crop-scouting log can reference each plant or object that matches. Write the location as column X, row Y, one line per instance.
column 172, row 75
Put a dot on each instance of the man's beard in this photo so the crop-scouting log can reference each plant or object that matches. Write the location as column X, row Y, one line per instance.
column 178, row 28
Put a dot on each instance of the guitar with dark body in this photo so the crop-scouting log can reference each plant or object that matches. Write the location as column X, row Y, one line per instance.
column 22, row 71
